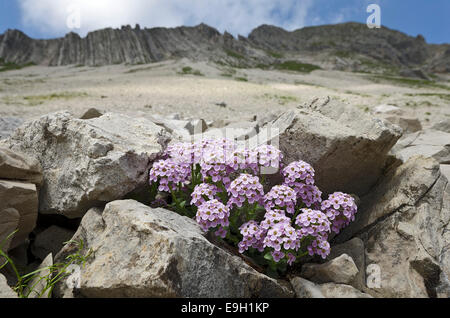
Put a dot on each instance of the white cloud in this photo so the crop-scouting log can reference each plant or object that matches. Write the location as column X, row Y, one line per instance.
column 235, row 16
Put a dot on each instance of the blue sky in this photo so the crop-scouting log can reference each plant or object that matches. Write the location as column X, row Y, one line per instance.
column 48, row 18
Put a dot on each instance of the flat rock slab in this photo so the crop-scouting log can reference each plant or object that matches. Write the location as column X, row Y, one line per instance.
column 87, row 162
column 22, row 197
column 428, row 143
column 145, row 252
column 347, row 148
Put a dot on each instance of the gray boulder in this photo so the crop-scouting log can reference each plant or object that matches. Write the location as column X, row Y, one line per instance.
column 355, row 249
column 331, row 290
column 336, row 139
column 9, row 222
column 428, row 143
column 37, row 287
column 18, row 166
column 404, row 223
column 50, row 241
column 145, row 252
column 18, row 210
column 88, row 162
column 443, row 125
column 341, row 269
column 91, row 113
column 8, row 125
column 5, row 290
column 306, row 289
column 408, row 124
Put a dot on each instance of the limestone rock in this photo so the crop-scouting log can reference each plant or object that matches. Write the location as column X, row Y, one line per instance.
column 197, row 126
column 428, row 143
column 145, row 252
column 404, row 223
column 8, row 125
column 18, row 166
column 50, row 241
column 91, row 113
column 305, row 289
column 443, row 125
column 445, row 170
column 331, row 290
column 18, row 197
column 88, row 162
column 5, row 290
column 387, row 109
column 408, row 124
column 355, row 249
column 37, row 286
column 341, row 269
column 9, row 222
column 335, row 139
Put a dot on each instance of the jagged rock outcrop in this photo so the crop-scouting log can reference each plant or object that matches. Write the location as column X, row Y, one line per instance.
column 88, row 162
column 125, row 45
column 145, row 252
column 347, row 46
column 335, row 139
column 404, row 222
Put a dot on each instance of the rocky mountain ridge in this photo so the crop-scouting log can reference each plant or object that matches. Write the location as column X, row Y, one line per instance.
column 347, row 46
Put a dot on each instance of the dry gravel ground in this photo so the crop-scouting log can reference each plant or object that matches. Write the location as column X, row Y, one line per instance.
column 164, row 88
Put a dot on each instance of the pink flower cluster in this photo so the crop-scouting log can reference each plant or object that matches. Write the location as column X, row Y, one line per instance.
column 202, row 191
column 298, row 173
column 281, row 196
column 268, row 156
column 253, row 235
column 170, row 174
column 245, row 188
column 340, row 208
column 229, row 178
column 315, row 224
column 212, row 214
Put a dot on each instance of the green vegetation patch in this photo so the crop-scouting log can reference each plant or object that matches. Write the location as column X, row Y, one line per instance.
column 410, row 82
column 276, row 55
column 234, row 54
column 441, row 96
column 34, row 100
column 241, row 79
column 10, row 66
column 297, row 67
column 281, row 99
column 187, row 70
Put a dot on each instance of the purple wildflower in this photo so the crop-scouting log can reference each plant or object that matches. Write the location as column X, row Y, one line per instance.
column 202, row 191
column 319, row 246
column 170, row 174
column 253, row 236
column 245, row 188
column 281, row 196
column 313, row 222
column 211, row 214
column 340, row 208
